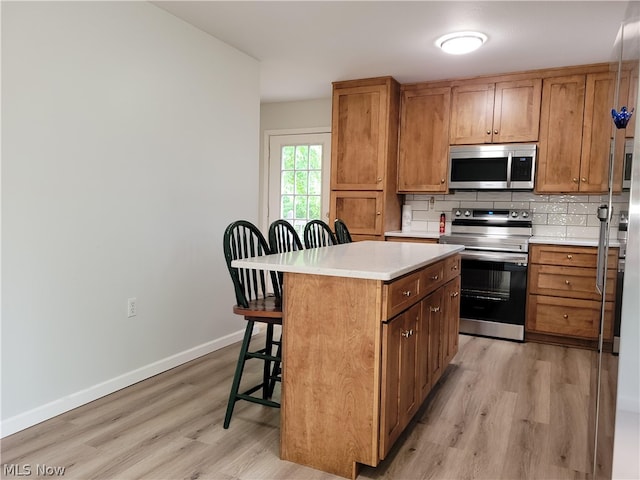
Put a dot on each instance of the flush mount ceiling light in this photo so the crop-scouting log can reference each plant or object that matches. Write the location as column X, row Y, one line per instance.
column 461, row 42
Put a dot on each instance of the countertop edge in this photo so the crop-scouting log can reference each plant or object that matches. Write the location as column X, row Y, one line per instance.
column 573, row 241
column 443, row 251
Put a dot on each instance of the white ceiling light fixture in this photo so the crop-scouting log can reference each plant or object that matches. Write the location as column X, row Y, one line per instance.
column 460, row 43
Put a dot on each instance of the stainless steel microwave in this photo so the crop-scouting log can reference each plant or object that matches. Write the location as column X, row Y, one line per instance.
column 492, row 167
column 628, row 161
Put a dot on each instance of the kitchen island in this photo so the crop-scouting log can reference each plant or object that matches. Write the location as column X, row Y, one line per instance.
column 368, row 329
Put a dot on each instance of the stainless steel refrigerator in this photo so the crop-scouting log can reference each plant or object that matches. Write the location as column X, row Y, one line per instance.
column 616, row 425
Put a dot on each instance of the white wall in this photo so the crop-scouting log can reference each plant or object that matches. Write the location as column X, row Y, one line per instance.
column 129, row 142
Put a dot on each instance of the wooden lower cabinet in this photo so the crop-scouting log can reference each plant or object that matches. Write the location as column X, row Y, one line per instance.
column 563, row 304
column 359, row 358
column 400, row 357
column 417, row 346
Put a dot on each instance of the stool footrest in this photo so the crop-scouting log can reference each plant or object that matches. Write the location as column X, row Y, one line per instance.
column 261, row 401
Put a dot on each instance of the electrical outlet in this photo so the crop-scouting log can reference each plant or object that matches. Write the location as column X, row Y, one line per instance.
column 132, row 307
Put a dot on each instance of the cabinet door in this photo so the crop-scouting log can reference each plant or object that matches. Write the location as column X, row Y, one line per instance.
column 359, row 137
column 597, row 133
column 560, row 134
column 432, row 311
column 471, row 114
column 361, row 211
column 516, row 111
column 400, row 398
column 451, row 302
column 424, row 140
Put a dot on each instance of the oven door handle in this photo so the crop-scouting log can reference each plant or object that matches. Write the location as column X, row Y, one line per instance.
column 516, row 258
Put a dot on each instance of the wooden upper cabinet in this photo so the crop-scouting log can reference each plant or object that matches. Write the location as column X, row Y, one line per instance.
column 560, row 143
column 500, row 112
column 360, row 135
column 597, row 133
column 576, row 133
column 424, row 140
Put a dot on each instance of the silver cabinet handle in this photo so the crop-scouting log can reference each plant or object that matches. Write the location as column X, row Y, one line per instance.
column 407, row 333
column 454, row 294
column 407, row 293
column 434, row 309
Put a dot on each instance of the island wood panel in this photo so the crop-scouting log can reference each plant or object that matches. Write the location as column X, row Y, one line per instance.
column 331, row 372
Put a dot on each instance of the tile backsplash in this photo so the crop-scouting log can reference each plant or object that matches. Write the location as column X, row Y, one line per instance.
column 563, row 216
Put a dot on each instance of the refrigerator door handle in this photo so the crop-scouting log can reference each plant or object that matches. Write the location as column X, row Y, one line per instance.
column 603, row 216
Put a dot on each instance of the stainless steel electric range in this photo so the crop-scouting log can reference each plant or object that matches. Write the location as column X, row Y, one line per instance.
column 494, row 269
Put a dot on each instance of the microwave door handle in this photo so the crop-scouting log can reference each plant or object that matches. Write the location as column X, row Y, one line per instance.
column 509, row 161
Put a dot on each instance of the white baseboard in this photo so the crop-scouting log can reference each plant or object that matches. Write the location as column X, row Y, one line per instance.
column 45, row 412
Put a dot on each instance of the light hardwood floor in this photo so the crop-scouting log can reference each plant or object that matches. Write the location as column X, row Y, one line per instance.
column 502, row 410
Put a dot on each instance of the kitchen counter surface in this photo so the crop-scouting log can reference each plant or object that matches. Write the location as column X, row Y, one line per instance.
column 399, row 233
column 575, row 241
column 371, row 260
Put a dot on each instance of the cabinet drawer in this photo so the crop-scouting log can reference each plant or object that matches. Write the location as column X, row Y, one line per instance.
column 432, row 277
column 451, row 267
column 570, row 256
column 574, row 282
column 567, row 316
column 402, row 293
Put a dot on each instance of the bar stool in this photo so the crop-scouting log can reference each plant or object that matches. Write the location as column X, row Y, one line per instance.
column 241, row 240
column 318, row 234
column 342, row 232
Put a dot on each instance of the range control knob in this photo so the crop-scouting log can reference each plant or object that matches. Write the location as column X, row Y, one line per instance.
column 458, row 213
column 525, row 214
column 467, row 213
column 514, row 214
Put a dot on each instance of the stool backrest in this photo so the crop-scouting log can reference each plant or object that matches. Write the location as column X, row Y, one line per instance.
column 318, row 234
column 283, row 237
column 242, row 239
column 342, row 232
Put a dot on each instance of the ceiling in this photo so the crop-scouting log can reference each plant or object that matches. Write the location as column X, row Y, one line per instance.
column 303, row 46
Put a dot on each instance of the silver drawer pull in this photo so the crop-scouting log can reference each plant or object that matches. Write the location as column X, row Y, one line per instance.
column 567, row 282
column 407, row 293
column 455, row 267
column 565, row 316
column 454, row 294
column 407, row 333
column 435, row 277
column 434, row 309
column 569, row 256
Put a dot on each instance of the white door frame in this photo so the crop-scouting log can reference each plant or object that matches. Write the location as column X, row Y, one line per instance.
column 264, row 211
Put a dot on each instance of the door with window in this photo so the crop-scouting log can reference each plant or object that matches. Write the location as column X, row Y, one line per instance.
column 299, row 180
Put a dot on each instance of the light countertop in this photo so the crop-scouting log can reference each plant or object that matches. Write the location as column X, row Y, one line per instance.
column 575, row 241
column 400, row 233
column 371, row 259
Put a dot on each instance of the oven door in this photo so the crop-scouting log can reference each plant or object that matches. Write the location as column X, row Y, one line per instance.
column 493, row 294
